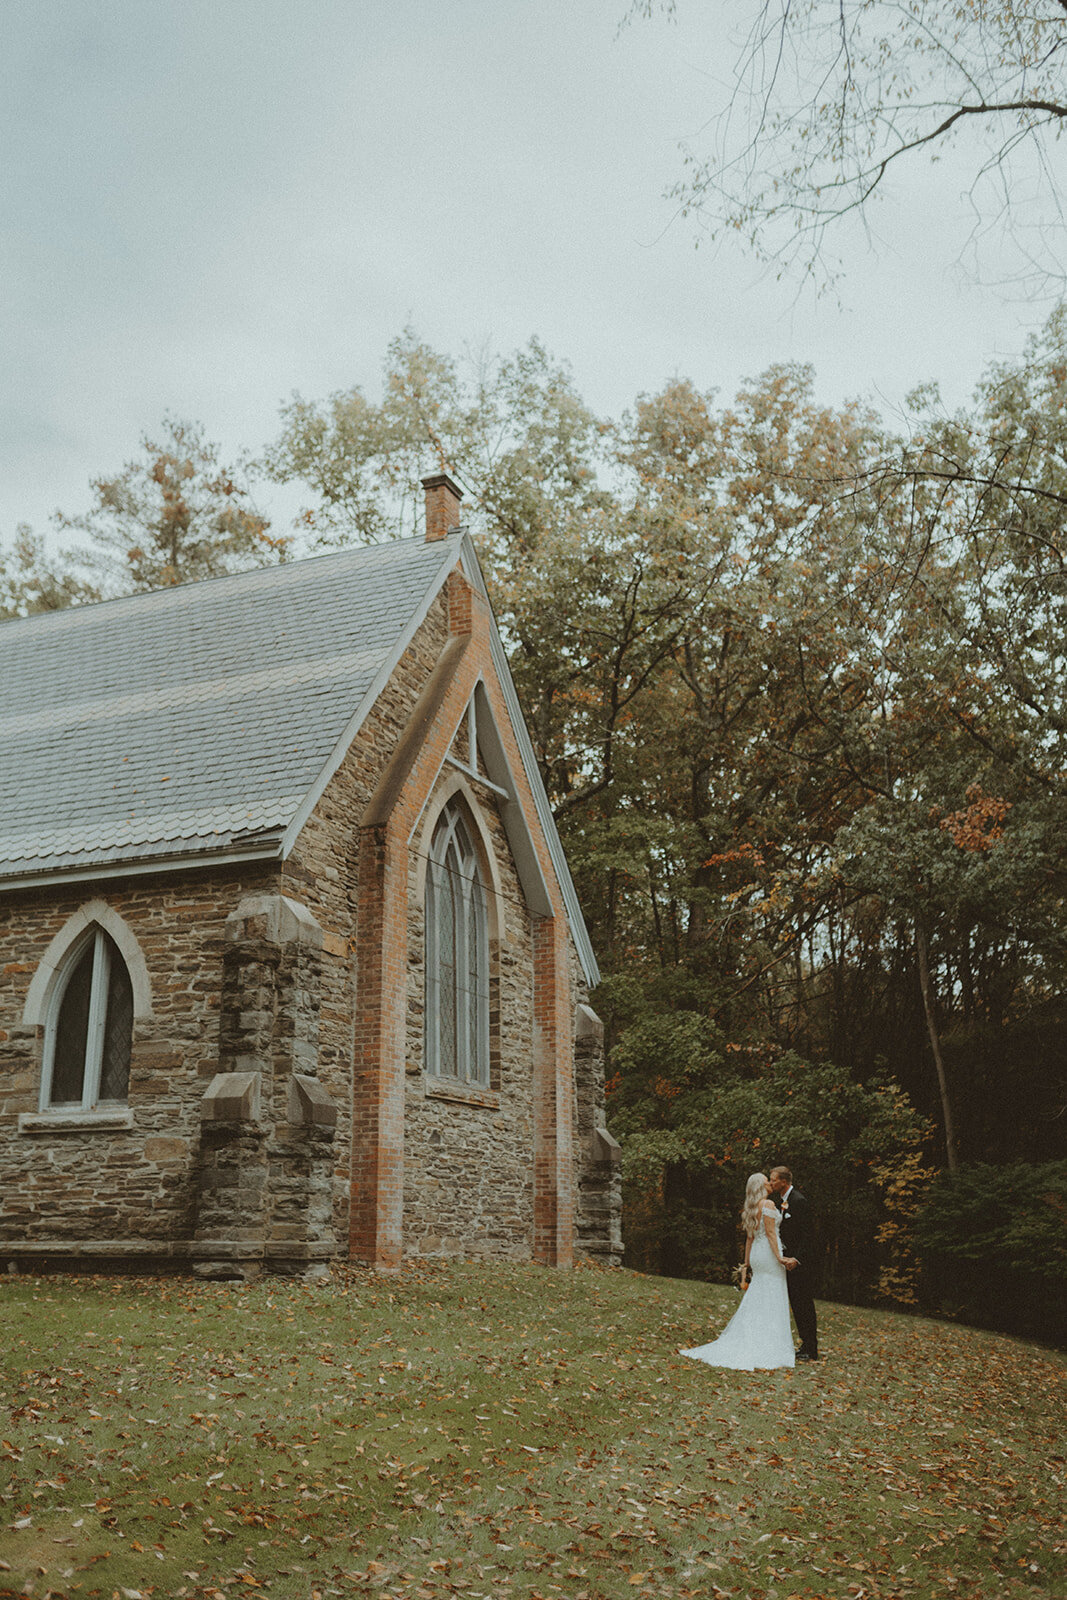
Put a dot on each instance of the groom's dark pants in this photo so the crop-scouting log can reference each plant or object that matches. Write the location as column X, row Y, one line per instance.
column 802, row 1305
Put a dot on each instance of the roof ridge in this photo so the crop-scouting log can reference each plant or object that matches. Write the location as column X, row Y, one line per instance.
column 139, row 596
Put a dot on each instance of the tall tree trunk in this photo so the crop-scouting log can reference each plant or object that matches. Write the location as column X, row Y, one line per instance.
column 656, row 923
column 923, row 950
column 966, row 974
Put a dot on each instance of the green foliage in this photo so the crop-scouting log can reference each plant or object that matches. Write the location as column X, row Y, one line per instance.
column 993, row 1246
column 512, row 430
column 694, row 1123
column 1006, row 1217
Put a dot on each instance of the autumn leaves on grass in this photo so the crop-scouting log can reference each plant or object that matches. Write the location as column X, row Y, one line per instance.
column 506, row 1430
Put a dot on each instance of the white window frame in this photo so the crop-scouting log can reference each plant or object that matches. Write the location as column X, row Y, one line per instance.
column 90, row 1102
column 453, row 834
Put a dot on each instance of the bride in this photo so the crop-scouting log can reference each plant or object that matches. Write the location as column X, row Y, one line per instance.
column 758, row 1334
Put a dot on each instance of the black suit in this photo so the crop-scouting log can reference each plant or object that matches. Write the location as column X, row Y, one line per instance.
column 798, row 1240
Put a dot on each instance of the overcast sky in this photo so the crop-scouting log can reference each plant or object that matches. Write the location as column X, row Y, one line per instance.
column 208, row 204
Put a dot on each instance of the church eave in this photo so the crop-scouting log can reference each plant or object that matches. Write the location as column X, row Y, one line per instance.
column 580, row 933
column 144, row 865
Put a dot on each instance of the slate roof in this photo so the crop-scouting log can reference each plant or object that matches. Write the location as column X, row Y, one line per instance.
column 196, row 718
column 197, row 721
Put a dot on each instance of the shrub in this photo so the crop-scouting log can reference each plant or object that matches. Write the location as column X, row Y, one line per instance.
column 992, row 1241
column 694, row 1120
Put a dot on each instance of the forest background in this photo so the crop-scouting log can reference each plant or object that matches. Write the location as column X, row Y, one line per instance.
column 796, row 685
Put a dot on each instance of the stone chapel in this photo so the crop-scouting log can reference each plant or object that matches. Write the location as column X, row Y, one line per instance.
column 292, row 968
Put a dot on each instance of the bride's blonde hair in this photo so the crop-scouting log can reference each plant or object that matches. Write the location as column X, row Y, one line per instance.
column 752, row 1210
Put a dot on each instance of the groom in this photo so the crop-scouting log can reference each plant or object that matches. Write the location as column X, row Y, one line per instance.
column 796, row 1236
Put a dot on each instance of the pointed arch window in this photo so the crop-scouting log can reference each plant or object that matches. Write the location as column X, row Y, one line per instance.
column 90, row 1029
column 457, row 955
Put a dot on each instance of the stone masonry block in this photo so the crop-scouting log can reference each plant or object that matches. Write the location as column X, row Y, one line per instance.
column 274, row 918
column 231, row 1097
column 309, row 1102
column 587, row 1025
column 606, row 1147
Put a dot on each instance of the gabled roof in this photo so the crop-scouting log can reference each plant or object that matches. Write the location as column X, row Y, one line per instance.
column 169, row 728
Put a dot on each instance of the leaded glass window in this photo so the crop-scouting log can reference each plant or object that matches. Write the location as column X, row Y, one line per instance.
column 457, row 955
column 87, row 1050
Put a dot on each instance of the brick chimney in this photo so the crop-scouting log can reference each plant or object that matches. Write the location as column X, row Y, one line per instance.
column 442, row 505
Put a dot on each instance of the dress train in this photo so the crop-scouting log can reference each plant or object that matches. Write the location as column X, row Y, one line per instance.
column 758, row 1334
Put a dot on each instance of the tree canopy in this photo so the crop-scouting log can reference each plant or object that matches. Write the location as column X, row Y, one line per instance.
column 174, row 514
column 795, row 682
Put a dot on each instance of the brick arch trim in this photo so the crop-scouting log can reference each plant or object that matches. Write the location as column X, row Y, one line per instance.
column 51, row 964
column 455, row 784
column 467, row 665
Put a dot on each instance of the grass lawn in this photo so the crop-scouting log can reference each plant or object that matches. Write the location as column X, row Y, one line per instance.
column 510, row 1431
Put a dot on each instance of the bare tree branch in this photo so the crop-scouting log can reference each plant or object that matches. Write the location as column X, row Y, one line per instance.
column 830, row 95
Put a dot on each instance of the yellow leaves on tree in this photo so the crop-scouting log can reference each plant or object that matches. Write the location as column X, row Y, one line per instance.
column 902, row 1181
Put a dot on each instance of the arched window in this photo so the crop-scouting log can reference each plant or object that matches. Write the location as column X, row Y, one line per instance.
column 90, row 1029
column 457, row 955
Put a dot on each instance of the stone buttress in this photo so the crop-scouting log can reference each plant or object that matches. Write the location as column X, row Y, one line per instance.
column 267, row 1124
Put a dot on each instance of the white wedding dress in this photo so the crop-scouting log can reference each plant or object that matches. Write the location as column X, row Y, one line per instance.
column 758, row 1334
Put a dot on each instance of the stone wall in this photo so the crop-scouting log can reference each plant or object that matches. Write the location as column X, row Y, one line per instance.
column 268, row 1124
column 135, row 1192
column 322, row 873
column 127, row 1191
